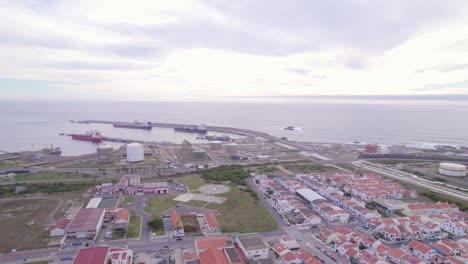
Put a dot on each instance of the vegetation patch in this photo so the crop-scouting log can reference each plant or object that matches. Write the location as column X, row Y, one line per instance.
column 46, row 176
column 157, row 205
column 157, row 225
column 241, row 212
column 439, row 179
column 234, row 174
column 193, row 181
column 134, row 227
column 442, row 198
column 191, row 226
column 307, row 167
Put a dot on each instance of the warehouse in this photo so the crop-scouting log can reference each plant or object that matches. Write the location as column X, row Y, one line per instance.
column 309, row 196
column 86, row 224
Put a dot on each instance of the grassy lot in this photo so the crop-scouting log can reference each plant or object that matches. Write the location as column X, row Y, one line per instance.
column 193, row 181
column 307, row 167
column 243, row 213
column 194, row 203
column 129, row 199
column 134, row 227
column 191, row 226
column 46, row 176
column 38, row 262
column 157, row 205
column 7, row 164
column 27, row 222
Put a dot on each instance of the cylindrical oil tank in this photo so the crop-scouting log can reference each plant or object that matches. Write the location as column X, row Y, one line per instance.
column 105, row 153
column 216, row 145
column 135, row 152
column 232, row 148
column 452, row 169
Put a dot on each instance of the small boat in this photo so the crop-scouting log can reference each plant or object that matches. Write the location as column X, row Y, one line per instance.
column 290, row 128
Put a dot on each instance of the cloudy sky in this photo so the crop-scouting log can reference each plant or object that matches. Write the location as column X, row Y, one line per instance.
column 190, row 50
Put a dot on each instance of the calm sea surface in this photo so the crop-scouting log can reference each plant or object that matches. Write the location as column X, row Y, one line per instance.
column 33, row 125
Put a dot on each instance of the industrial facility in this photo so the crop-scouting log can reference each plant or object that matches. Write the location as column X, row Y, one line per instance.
column 452, row 169
column 135, row 152
column 105, row 154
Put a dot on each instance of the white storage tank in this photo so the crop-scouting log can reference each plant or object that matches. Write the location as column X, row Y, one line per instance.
column 452, row 169
column 135, row 152
column 105, row 153
column 232, row 148
column 216, row 145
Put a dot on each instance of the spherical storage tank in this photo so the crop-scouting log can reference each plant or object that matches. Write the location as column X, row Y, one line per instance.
column 452, row 169
column 105, row 153
column 216, row 145
column 135, row 152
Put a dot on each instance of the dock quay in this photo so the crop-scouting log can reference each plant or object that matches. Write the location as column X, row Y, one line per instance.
column 231, row 130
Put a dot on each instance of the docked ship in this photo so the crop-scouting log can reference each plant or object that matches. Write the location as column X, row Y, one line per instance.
column 192, row 129
column 290, row 128
column 135, row 125
column 93, row 136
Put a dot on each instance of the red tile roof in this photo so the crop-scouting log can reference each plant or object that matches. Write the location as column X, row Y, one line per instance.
column 176, row 221
column 213, row 256
column 212, row 242
column 211, row 220
column 62, row 223
column 94, row 255
column 122, row 214
column 86, row 219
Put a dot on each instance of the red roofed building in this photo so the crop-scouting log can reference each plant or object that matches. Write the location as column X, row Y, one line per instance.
column 119, row 216
column 212, row 223
column 203, row 244
column 59, row 228
column 177, row 225
column 421, row 250
column 86, row 224
column 103, row 255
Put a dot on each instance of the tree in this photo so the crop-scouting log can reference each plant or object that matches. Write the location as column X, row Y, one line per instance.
column 156, row 223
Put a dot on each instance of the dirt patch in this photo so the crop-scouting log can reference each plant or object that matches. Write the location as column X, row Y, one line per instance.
column 27, row 222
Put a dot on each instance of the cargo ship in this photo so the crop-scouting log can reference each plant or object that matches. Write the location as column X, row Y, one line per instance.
column 93, row 136
column 135, row 125
column 192, row 129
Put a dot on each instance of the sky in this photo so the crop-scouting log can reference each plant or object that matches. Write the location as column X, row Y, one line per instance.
column 193, row 50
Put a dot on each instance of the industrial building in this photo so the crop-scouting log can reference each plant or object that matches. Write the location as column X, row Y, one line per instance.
column 86, row 224
column 216, row 145
column 135, row 152
column 232, row 148
column 59, row 228
column 198, row 153
column 452, row 169
column 186, row 149
column 105, row 154
column 371, row 148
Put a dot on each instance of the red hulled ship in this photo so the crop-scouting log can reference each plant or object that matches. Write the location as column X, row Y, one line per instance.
column 93, row 136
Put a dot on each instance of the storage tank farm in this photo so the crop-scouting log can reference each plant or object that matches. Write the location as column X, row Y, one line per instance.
column 231, row 148
column 105, row 153
column 135, row 152
column 452, row 169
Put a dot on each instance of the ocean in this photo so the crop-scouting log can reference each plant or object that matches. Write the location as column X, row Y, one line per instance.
column 35, row 125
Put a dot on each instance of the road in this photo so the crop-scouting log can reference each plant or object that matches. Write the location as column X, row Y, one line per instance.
column 397, row 175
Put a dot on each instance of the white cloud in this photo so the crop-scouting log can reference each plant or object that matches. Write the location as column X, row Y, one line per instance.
column 190, row 50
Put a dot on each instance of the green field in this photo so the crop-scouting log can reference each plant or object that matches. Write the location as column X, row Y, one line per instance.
column 242, row 213
column 157, row 205
column 134, row 227
column 193, row 181
column 194, row 203
column 38, row 262
column 129, row 199
column 46, row 176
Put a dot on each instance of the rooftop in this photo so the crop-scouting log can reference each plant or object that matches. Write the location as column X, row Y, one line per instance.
column 94, row 255
column 211, row 242
column 86, row 219
column 251, row 241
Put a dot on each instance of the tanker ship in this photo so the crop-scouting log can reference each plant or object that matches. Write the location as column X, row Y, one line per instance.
column 135, row 125
column 93, row 136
